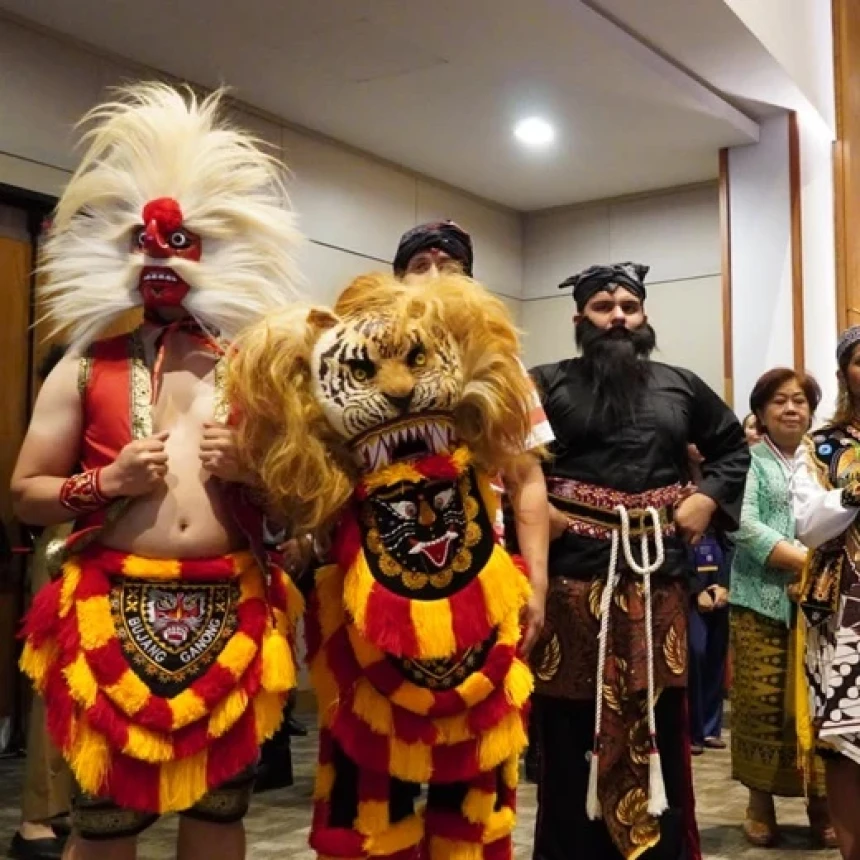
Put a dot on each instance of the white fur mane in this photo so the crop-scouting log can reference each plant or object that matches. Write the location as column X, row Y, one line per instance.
column 155, row 141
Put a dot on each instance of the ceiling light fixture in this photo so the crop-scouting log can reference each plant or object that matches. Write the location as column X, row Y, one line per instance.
column 534, row 131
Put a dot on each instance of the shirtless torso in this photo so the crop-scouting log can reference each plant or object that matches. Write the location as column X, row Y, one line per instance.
column 177, row 509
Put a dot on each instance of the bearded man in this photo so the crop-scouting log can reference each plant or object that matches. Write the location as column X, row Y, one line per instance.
column 160, row 649
column 611, row 665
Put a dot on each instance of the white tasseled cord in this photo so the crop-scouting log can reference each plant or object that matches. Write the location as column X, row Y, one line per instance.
column 592, row 801
column 657, row 801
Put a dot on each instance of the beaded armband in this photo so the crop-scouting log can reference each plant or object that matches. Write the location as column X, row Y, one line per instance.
column 82, row 493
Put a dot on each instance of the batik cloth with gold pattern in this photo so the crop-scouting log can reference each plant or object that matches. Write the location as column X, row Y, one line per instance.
column 830, row 603
column 162, row 676
column 412, row 635
column 565, row 659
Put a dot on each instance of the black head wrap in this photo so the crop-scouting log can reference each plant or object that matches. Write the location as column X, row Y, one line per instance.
column 592, row 280
column 442, row 235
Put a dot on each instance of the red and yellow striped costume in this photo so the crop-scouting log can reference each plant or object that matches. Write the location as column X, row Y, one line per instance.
column 381, row 731
column 144, row 751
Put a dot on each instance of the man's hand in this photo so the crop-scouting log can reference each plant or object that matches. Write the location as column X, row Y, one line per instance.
column 693, row 516
column 140, row 467
column 705, row 601
column 219, row 453
column 558, row 523
column 720, row 596
column 532, row 620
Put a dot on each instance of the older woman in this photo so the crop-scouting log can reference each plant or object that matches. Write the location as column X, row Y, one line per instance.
column 768, row 560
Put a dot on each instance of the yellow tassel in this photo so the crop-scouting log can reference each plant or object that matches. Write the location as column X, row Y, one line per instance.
column 372, row 817
column 501, row 824
column 519, row 683
column 509, row 630
column 330, row 593
column 410, row 762
column 373, row 709
column 279, row 671
column 356, row 590
column 505, row 589
column 323, row 781
column 94, row 622
column 453, row 730
column 226, row 713
column 478, row 805
column 475, row 689
column 243, row 561
column 82, row 683
column 71, row 579
column 366, row 653
column 268, row 714
column 405, row 834
column 511, row 772
column 237, row 654
column 35, row 662
column 454, row 849
column 434, row 628
column 503, row 740
column 135, row 566
column 252, row 585
column 182, row 783
column 461, row 458
column 89, row 757
column 130, row 693
column 187, row 708
column 413, row 698
column 145, row 745
column 397, row 473
column 295, row 601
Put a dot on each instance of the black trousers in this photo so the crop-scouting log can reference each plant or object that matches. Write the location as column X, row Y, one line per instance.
column 563, row 830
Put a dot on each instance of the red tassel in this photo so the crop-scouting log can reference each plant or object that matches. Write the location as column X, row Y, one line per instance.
column 155, row 715
column 347, row 540
column 501, row 849
column 133, row 784
column 412, row 728
column 252, row 616
column 60, row 708
column 337, row 842
column 469, row 615
column 108, row 721
column 214, row 685
column 388, row 623
column 456, row 763
column 447, row 703
column 489, row 713
column 359, row 742
column 108, row 663
column 450, row 825
column 93, row 583
column 40, row 623
column 439, row 467
column 208, row 569
column 230, row 754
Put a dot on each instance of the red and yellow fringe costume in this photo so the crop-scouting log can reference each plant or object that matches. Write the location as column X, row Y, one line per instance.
column 393, row 730
column 143, row 751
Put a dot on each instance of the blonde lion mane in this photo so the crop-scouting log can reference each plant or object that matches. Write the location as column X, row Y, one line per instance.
column 304, row 466
column 153, row 141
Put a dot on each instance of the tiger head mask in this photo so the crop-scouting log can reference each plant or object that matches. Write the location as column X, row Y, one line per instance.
column 393, row 372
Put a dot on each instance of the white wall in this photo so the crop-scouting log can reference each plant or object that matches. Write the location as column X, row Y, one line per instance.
column 762, row 333
column 676, row 232
column 799, row 36
column 352, row 208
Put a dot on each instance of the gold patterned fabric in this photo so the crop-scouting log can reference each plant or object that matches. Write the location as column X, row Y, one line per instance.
column 764, row 733
column 565, row 666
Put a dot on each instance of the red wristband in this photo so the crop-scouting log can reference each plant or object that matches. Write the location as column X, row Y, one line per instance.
column 82, row 494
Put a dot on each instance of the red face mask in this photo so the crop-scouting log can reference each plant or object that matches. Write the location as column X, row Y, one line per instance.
column 162, row 237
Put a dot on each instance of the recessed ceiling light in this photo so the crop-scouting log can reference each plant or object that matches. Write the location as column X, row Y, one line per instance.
column 534, row 131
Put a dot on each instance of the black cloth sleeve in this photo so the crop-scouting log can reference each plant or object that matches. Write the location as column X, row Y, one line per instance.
column 720, row 439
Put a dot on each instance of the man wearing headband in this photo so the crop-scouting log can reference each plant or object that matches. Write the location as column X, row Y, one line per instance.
column 443, row 246
column 611, row 665
column 826, row 497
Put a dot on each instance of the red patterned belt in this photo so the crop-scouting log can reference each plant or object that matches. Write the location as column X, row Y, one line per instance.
column 591, row 509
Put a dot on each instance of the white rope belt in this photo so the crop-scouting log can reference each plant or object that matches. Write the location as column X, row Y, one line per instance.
column 657, row 802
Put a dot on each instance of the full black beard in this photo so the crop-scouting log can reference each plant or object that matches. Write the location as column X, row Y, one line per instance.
column 616, row 363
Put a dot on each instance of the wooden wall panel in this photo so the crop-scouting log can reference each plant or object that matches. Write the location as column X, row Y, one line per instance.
column 846, row 46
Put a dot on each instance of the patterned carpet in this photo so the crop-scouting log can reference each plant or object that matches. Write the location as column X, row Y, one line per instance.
column 278, row 822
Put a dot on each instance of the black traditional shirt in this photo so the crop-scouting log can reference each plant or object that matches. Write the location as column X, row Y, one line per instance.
column 647, row 452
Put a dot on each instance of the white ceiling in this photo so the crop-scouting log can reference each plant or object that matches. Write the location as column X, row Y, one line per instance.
column 437, row 87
